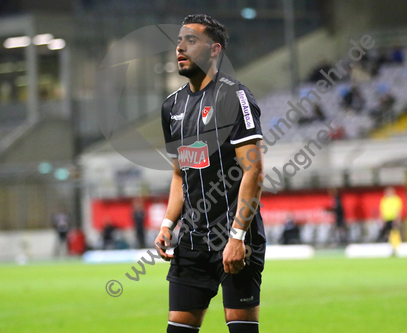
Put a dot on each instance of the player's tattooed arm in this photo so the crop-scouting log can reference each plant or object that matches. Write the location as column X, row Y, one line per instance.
column 173, row 212
column 251, row 162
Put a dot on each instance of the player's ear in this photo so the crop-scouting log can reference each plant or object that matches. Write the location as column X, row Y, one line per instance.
column 216, row 48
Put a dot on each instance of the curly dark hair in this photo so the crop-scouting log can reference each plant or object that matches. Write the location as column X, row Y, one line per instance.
column 214, row 30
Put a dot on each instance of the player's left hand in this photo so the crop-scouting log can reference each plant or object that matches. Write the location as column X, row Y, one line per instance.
column 233, row 256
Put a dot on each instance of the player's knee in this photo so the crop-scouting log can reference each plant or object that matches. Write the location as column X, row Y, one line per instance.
column 181, row 328
column 243, row 326
column 239, row 315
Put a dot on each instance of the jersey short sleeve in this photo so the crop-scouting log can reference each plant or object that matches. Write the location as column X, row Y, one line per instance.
column 247, row 126
column 170, row 145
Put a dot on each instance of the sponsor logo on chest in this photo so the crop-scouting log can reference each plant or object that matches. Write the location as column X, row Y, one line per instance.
column 195, row 156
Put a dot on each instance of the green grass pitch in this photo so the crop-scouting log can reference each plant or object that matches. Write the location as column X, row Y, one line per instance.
column 323, row 295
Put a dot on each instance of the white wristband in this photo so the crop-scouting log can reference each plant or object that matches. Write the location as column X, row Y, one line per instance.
column 167, row 223
column 237, row 233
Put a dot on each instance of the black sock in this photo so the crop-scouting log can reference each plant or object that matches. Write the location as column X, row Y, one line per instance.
column 240, row 326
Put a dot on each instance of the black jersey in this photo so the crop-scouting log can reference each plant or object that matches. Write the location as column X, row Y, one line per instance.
column 201, row 130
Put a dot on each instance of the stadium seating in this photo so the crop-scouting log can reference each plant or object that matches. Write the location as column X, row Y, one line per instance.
column 391, row 79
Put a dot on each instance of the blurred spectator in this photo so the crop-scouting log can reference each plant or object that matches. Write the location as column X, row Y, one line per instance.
column 385, row 111
column 353, row 100
column 108, row 236
column 382, row 88
column 291, row 232
column 364, row 61
column 382, row 58
column 369, row 62
column 390, row 211
column 120, row 242
column 60, row 222
column 316, row 72
column 359, row 74
column 318, row 115
column 397, row 55
column 337, row 209
column 340, row 132
column 138, row 220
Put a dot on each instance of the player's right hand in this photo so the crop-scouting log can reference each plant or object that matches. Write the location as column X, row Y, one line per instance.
column 162, row 243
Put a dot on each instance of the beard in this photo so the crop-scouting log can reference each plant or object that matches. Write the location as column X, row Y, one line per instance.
column 191, row 71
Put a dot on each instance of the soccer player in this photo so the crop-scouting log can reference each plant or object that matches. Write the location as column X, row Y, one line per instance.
column 212, row 131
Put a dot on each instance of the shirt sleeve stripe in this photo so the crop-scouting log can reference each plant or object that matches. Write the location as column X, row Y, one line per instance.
column 247, row 138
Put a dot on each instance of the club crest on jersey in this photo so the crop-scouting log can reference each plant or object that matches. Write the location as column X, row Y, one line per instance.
column 207, row 113
column 195, row 156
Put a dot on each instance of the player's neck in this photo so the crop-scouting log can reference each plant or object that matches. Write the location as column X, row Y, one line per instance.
column 201, row 80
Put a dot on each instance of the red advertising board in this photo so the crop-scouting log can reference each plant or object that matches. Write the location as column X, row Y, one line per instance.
column 360, row 204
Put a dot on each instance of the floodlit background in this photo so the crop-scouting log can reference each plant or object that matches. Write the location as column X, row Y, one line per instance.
column 71, row 204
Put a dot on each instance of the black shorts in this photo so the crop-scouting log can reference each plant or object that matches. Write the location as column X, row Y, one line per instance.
column 195, row 277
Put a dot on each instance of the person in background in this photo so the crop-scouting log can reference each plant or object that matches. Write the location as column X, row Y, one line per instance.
column 390, row 211
column 291, row 232
column 353, row 100
column 60, row 222
column 316, row 75
column 359, row 74
column 337, row 209
column 385, row 111
column 382, row 58
column 318, row 115
column 397, row 55
column 138, row 220
column 108, row 235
